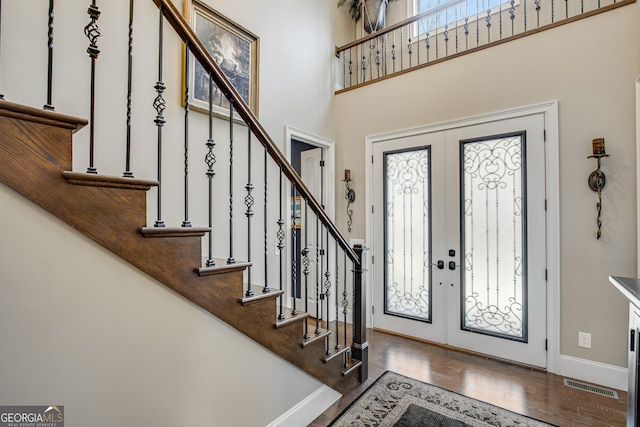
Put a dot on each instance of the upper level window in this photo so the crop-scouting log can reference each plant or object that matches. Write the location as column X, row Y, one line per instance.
column 449, row 12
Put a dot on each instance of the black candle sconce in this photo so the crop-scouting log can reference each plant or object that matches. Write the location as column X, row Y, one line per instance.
column 597, row 179
column 350, row 195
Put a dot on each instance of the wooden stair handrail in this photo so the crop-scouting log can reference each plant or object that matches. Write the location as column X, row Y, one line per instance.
column 186, row 33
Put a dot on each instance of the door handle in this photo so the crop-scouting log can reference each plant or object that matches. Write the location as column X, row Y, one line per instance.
column 453, row 265
column 439, row 264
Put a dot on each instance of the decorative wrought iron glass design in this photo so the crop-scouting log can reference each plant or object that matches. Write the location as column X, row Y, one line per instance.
column 407, row 224
column 493, row 239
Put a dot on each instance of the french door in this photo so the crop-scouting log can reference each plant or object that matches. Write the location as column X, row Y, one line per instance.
column 459, row 238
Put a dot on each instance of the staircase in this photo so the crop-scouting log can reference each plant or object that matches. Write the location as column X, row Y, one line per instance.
column 36, row 146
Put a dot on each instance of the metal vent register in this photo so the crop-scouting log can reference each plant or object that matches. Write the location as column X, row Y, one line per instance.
column 591, row 388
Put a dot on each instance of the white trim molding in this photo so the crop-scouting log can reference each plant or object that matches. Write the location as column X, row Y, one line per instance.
column 550, row 112
column 308, row 409
column 594, row 372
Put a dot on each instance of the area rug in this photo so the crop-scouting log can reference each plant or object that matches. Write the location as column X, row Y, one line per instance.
column 396, row 400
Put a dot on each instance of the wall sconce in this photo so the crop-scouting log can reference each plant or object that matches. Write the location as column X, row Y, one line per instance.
column 596, row 179
column 350, row 195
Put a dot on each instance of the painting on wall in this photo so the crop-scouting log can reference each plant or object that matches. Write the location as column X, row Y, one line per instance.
column 296, row 212
column 233, row 48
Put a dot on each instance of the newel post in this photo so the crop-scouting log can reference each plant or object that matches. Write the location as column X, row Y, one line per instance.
column 360, row 344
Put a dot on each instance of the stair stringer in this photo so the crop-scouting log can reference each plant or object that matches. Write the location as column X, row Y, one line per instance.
column 36, row 148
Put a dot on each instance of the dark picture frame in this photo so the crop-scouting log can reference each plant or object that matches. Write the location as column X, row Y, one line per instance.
column 233, row 48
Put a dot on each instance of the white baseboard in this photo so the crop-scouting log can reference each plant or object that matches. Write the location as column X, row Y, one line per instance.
column 594, row 372
column 308, row 409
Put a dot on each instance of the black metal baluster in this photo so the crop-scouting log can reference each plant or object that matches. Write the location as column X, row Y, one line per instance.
column 249, row 201
column 512, row 15
column 210, row 160
column 266, row 287
column 524, row 12
column 127, row 170
column 477, row 23
column 457, row 40
column 294, row 250
column 437, row 48
column 305, row 262
column 344, row 68
column 500, row 15
column 371, row 59
column 488, row 20
column 418, row 50
column 553, row 11
column 345, row 300
column 49, row 104
column 318, row 313
column 93, row 33
column 427, row 41
column 160, row 104
column 446, row 38
column 327, row 281
column 393, row 52
column 410, row 51
column 537, row 3
column 325, row 248
column 566, row 10
column 364, row 65
column 401, row 48
column 281, row 237
column 231, row 260
column 378, row 57
column 466, row 32
column 337, row 346
column 350, row 68
column 186, row 222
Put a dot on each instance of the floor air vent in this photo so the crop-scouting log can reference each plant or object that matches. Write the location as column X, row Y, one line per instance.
column 591, row 388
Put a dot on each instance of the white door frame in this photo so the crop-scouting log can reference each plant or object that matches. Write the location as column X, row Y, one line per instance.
column 552, row 175
column 329, row 183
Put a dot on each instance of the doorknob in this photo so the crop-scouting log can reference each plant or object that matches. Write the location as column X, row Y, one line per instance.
column 439, row 264
column 453, row 265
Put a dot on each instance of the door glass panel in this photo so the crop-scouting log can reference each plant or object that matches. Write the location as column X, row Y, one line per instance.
column 494, row 236
column 407, row 223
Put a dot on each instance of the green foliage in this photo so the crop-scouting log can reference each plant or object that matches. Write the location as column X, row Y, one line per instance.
column 354, row 8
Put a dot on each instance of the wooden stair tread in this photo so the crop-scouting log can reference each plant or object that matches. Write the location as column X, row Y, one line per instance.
column 221, row 266
column 260, row 297
column 96, row 180
column 174, row 231
column 39, row 115
column 353, row 365
column 336, row 353
column 290, row 318
column 316, row 337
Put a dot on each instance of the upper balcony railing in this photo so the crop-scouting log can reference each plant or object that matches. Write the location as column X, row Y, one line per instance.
column 454, row 28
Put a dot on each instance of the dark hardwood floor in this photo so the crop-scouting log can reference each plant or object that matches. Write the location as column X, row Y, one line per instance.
column 527, row 391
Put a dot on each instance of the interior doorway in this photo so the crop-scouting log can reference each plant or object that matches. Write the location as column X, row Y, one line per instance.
column 312, row 157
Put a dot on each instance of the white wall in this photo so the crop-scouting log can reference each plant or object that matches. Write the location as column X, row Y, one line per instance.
column 592, row 74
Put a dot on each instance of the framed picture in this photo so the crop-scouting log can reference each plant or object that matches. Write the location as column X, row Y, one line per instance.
column 296, row 212
column 233, row 48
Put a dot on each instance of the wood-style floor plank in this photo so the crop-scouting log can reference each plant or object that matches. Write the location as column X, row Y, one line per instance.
column 520, row 389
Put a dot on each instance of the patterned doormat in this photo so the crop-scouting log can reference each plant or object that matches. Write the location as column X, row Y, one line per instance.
column 396, row 400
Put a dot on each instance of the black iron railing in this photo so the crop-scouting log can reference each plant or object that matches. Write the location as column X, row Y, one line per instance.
column 455, row 28
column 325, row 255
